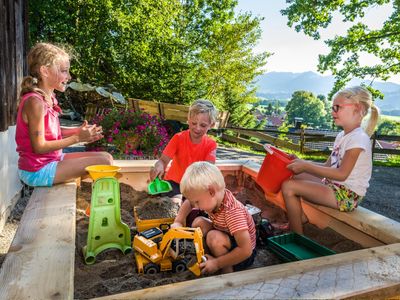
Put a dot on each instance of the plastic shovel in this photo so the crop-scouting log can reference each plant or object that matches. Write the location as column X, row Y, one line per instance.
column 158, row 186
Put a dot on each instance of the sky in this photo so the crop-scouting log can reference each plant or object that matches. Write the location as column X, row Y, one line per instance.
column 294, row 51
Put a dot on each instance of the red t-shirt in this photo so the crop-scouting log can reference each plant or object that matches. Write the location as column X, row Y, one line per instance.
column 233, row 216
column 183, row 153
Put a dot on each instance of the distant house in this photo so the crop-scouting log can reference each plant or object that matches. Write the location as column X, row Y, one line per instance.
column 275, row 120
column 259, row 115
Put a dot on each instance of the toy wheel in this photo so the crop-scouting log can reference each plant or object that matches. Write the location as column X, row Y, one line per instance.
column 178, row 266
column 151, row 269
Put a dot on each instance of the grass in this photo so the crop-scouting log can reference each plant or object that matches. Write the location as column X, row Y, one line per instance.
column 390, row 118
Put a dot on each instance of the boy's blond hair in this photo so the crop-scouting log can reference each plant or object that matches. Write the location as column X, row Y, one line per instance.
column 359, row 94
column 200, row 176
column 203, row 106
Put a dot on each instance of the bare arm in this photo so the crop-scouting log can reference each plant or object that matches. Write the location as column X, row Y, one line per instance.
column 340, row 174
column 159, row 167
column 34, row 111
column 183, row 212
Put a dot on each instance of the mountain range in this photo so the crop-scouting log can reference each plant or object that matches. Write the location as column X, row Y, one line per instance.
column 281, row 85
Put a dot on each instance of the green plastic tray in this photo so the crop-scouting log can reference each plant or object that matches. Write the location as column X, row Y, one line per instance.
column 294, row 247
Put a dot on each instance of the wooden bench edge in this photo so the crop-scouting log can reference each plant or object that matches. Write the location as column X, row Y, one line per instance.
column 40, row 261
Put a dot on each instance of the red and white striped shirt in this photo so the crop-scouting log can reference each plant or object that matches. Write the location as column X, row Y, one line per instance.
column 233, row 216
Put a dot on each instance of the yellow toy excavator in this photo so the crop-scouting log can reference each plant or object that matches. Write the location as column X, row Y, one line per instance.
column 175, row 250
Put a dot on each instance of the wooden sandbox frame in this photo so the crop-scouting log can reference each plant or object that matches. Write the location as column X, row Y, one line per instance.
column 40, row 262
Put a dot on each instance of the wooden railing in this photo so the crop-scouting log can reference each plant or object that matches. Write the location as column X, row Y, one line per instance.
column 167, row 111
column 305, row 140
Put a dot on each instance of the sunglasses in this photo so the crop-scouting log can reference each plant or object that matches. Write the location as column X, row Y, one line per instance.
column 337, row 107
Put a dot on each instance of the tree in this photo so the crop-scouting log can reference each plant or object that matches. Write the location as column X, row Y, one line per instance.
column 343, row 60
column 269, row 110
column 327, row 106
column 169, row 50
column 305, row 105
column 389, row 127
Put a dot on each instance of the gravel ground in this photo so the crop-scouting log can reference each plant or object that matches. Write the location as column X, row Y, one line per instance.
column 383, row 195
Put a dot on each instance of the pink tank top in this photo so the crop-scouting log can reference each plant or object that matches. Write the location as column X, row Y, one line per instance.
column 28, row 160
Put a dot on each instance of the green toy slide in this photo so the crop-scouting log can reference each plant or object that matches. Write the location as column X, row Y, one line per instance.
column 105, row 227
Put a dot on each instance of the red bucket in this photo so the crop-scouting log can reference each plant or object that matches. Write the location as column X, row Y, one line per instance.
column 273, row 171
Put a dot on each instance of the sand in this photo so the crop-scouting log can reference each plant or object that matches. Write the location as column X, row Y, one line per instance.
column 113, row 272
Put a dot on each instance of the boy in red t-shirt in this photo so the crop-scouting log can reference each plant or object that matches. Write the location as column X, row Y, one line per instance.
column 229, row 231
column 185, row 148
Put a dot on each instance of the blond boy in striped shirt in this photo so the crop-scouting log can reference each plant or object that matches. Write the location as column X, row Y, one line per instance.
column 229, row 231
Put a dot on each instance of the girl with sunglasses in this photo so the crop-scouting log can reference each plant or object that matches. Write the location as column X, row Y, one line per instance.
column 343, row 180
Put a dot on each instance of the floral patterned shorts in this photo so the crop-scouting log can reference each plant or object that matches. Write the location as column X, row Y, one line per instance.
column 347, row 200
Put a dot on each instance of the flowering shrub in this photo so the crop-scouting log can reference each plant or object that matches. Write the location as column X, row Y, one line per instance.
column 132, row 132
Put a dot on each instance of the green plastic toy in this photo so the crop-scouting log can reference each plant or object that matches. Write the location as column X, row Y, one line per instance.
column 105, row 227
column 158, row 186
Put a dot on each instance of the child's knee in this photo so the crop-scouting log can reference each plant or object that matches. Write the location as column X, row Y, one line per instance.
column 107, row 158
column 217, row 240
column 287, row 187
column 198, row 222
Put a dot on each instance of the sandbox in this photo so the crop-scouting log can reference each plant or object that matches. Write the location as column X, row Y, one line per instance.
column 370, row 272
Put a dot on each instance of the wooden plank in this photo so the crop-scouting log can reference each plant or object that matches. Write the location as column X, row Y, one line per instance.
column 133, row 103
column 320, row 139
column 371, row 223
column 325, row 269
column 234, row 139
column 222, row 120
column 150, row 107
column 40, row 262
column 175, row 112
column 387, row 151
column 270, row 139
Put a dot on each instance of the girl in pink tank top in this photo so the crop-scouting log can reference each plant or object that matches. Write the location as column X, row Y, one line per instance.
column 39, row 137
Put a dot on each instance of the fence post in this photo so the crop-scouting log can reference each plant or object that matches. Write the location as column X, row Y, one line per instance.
column 302, row 139
column 373, row 144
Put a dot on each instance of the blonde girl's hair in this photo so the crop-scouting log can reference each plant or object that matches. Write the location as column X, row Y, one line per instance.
column 361, row 95
column 203, row 106
column 42, row 54
column 200, row 176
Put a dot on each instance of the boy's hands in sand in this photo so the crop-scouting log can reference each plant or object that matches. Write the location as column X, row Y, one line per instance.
column 210, row 266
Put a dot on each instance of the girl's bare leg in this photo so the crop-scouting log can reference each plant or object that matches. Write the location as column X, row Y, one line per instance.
column 73, row 165
column 315, row 192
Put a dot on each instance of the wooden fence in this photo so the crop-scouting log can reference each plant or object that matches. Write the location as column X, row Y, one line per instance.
column 167, row 111
column 306, row 143
column 301, row 140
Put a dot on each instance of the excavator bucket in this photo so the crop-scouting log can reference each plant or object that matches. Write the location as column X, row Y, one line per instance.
column 158, row 186
column 194, row 266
